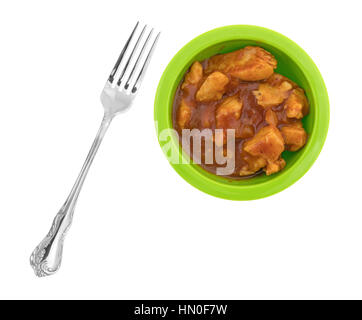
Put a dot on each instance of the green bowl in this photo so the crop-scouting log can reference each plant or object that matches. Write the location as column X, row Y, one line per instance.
column 293, row 62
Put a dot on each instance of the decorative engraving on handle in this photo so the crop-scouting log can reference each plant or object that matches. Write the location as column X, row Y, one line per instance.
column 47, row 256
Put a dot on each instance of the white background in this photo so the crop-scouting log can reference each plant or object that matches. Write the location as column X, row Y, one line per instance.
column 141, row 231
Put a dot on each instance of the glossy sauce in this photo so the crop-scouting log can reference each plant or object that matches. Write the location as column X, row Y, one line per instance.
column 252, row 119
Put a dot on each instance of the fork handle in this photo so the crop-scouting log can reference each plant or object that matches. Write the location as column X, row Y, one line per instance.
column 47, row 256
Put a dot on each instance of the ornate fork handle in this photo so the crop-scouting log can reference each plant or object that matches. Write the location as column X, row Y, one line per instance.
column 47, row 256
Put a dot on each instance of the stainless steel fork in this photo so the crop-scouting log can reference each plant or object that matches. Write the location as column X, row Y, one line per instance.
column 119, row 91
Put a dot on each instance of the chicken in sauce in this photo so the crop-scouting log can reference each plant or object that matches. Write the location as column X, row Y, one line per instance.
column 241, row 91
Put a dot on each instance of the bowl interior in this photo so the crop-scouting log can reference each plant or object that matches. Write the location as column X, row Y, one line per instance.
column 286, row 66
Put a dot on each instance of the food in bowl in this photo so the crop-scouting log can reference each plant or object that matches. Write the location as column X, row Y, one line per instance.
column 240, row 91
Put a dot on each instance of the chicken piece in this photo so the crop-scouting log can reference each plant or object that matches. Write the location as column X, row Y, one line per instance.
column 265, row 147
column 194, row 76
column 183, row 114
column 297, row 105
column 273, row 92
column 268, row 143
column 248, row 64
column 254, row 164
column 271, row 117
column 274, row 166
column 294, row 137
column 213, row 87
column 230, row 107
column 227, row 115
column 246, row 131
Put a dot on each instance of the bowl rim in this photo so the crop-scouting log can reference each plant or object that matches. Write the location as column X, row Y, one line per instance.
column 202, row 180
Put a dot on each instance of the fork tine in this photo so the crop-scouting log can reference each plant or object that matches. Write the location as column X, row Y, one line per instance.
column 145, row 65
column 115, row 68
column 138, row 60
column 131, row 55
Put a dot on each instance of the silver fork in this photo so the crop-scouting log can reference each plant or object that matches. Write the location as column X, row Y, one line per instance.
column 119, row 91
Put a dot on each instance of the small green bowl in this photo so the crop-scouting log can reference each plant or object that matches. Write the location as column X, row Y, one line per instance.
column 293, row 63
